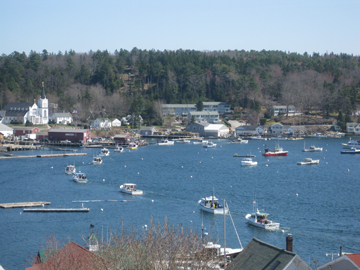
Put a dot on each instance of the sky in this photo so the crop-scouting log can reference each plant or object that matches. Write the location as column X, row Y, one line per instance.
column 320, row 26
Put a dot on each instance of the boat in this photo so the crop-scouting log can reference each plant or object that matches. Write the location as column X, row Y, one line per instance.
column 211, row 205
column 97, row 160
column 166, row 142
column 279, row 138
column 248, row 162
column 239, row 140
column 200, row 141
column 70, row 169
column 183, row 141
column 277, row 151
column 312, row 148
column 308, row 161
column 104, row 152
column 132, row 146
column 119, row 149
column 318, row 135
column 80, row 178
column 353, row 150
column 210, row 145
column 130, row 189
column 248, row 155
column 352, row 144
column 258, row 138
column 259, row 219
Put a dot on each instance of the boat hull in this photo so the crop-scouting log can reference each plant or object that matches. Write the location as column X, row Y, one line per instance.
column 133, row 192
column 270, row 225
column 216, row 211
column 274, row 154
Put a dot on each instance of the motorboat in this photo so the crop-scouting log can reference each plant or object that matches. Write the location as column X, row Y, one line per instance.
column 183, row 141
column 119, row 149
column 104, row 152
column 318, row 135
column 309, row 161
column 130, row 189
column 258, row 138
column 277, row 151
column 353, row 150
column 279, row 138
column 200, row 141
column 248, row 162
column 97, row 160
column 132, row 146
column 166, row 142
column 259, row 219
column 70, row 169
column 352, row 144
column 210, row 145
column 312, row 148
column 211, row 205
column 80, row 178
column 240, row 140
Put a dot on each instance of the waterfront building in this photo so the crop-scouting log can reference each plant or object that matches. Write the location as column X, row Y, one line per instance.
column 61, row 118
column 353, row 128
column 116, row 123
column 71, row 134
column 216, row 131
column 144, row 131
column 6, row 131
column 250, row 130
column 102, row 123
column 210, row 117
column 344, row 261
column 185, row 109
column 23, row 131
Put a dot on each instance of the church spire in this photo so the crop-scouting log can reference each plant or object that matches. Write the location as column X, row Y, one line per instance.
column 43, row 92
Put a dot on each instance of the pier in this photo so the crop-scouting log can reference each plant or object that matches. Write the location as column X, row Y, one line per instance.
column 23, row 204
column 44, row 156
column 57, row 210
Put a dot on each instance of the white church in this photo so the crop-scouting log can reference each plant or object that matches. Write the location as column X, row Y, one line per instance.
column 21, row 112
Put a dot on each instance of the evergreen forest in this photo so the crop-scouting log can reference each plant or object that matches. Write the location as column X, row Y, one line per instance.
column 104, row 84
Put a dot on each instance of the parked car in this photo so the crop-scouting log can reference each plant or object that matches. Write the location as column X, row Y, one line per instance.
column 65, row 141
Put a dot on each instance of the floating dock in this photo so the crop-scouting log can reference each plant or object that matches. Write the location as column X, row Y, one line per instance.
column 23, row 204
column 45, row 155
column 236, row 155
column 56, row 210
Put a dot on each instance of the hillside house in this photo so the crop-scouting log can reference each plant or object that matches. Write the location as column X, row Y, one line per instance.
column 345, row 261
column 210, row 117
column 353, row 128
column 102, row 123
column 61, row 118
column 250, row 130
column 146, row 131
column 116, row 123
column 282, row 109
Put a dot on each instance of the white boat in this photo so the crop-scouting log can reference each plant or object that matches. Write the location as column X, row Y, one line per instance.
column 183, row 141
column 166, row 142
column 279, row 138
column 239, row 140
column 352, row 144
column 211, row 205
column 353, row 150
column 132, row 146
column 318, row 135
column 210, row 145
column 130, row 189
column 119, row 149
column 200, row 141
column 258, row 138
column 308, row 161
column 312, row 149
column 80, row 178
column 70, row 169
column 104, row 152
column 248, row 162
column 259, row 219
column 97, row 160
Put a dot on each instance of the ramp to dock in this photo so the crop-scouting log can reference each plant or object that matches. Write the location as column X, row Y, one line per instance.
column 23, row 204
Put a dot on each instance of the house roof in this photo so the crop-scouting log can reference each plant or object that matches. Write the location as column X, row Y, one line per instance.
column 253, row 127
column 260, row 255
column 147, row 128
column 179, row 106
column 355, row 257
column 71, row 256
column 215, row 127
column 61, row 115
column 121, row 136
column 103, row 119
column 204, row 113
column 5, row 127
column 209, row 103
column 62, row 130
column 24, row 128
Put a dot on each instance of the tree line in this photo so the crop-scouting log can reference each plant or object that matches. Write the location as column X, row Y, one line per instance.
column 115, row 84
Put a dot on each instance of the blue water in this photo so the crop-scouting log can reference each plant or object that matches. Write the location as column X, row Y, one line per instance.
column 324, row 215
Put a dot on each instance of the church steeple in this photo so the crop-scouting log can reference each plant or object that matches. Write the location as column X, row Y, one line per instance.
column 43, row 92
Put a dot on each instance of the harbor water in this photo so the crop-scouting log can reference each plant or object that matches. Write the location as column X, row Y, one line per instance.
column 319, row 204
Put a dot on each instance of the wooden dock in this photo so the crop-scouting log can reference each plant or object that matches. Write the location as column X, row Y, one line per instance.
column 45, row 155
column 56, row 210
column 23, row 204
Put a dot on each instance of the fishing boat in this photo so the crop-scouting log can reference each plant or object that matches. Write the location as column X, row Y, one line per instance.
column 210, row 145
column 211, row 205
column 97, row 160
column 309, row 161
column 183, row 141
column 352, row 144
column 104, row 152
column 70, row 169
column 277, row 151
column 312, row 148
column 318, row 135
column 132, row 146
column 119, row 149
column 166, row 142
column 240, row 140
column 248, row 162
column 130, row 189
column 258, row 138
column 200, row 141
column 80, row 178
column 353, row 150
column 259, row 219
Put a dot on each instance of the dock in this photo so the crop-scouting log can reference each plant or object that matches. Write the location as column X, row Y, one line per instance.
column 56, row 210
column 44, row 156
column 236, row 155
column 23, row 204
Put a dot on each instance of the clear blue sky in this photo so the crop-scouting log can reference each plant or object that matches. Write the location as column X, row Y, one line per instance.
column 83, row 25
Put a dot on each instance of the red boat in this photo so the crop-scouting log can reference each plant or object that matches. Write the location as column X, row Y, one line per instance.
column 277, row 151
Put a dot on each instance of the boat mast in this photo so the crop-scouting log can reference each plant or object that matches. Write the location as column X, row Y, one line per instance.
column 224, row 237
